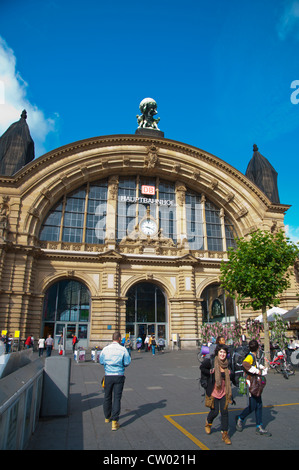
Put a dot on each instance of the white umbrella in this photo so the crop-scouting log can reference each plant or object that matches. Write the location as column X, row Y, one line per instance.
column 291, row 315
column 270, row 314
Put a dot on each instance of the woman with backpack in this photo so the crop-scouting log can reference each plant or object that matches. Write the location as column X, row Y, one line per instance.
column 218, row 390
column 252, row 369
column 153, row 344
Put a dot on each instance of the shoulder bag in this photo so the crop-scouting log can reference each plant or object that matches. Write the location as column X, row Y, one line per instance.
column 257, row 385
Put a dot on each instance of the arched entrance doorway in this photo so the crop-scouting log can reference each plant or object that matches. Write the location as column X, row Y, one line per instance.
column 67, row 305
column 146, row 311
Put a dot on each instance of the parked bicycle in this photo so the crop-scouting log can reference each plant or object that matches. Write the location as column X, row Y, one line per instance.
column 281, row 364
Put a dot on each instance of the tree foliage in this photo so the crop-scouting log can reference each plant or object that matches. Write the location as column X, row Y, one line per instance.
column 278, row 332
column 257, row 271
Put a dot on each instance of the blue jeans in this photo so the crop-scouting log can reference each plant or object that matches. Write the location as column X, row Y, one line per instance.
column 114, row 385
column 255, row 404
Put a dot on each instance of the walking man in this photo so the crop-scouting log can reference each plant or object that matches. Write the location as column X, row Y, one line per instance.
column 114, row 358
column 49, row 345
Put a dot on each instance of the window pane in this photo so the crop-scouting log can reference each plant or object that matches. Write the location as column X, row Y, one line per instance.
column 145, row 302
column 74, row 216
column 96, row 213
column 216, row 306
column 160, row 302
column 50, row 233
column 230, row 234
column 213, row 224
column 51, row 226
column 126, row 207
column 72, row 235
column 167, row 213
column 194, row 221
column 67, row 301
column 50, row 304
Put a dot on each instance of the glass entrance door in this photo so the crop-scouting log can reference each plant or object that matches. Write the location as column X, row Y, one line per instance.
column 146, row 312
column 67, row 305
column 144, row 329
column 80, row 330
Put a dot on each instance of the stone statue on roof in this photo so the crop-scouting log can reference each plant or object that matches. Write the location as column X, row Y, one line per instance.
column 148, row 108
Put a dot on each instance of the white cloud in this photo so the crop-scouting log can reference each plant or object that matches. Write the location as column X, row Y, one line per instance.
column 289, row 21
column 13, row 99
column 292, row 233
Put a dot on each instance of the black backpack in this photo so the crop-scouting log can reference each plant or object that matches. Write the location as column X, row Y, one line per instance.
column 203, row 380
column 237, row 363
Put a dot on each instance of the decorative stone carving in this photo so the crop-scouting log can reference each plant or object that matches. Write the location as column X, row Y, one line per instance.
column 229, row 197
column 113, row 187
column 176, row 167
column 241, row 213
column 213, row 184
column 47, row 193
column 4, row 216
column 34, row 211
column 180, row 190
column 152, row 159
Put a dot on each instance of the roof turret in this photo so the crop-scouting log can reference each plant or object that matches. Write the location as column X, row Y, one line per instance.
column 262, row 173
column 16, row 147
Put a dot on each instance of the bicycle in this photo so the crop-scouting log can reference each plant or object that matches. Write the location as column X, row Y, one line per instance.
column 281, row 364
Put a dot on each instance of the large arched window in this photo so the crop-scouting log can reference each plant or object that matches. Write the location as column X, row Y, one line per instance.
column 146, row 310
column 67, row 305
column 202, row 216
column 216, row 306
column 79, row 216
column 136, row 194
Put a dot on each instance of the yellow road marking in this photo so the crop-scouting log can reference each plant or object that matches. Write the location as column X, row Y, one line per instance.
column 186, row 433
column 193, row 438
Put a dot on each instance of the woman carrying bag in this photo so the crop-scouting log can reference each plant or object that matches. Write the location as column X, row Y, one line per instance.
column 255, row 377
column 218, row 391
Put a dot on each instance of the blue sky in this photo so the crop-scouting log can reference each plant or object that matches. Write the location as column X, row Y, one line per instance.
column 221, row 72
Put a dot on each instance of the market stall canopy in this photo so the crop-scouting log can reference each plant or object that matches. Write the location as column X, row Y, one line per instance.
column 270, row 314
column 291, row 315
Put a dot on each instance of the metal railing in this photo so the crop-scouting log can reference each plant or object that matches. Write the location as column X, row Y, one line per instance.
column 20, row 402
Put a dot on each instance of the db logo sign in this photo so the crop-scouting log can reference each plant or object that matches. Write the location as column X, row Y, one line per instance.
column 149, row 190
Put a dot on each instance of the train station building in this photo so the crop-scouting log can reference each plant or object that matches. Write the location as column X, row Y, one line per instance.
column 124, row 232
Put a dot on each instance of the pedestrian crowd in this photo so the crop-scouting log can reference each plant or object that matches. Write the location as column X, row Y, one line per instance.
column 216, row 369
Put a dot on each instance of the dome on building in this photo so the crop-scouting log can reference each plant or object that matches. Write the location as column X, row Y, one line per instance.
column 16, row 147
column 262, row 173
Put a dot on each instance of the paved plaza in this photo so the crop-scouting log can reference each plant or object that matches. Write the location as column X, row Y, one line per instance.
column 163, row 410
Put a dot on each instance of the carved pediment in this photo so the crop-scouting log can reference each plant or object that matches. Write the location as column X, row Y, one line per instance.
column 188, row 259
column 111, row 255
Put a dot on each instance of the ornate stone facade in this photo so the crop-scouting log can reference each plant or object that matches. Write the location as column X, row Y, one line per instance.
column 30, row 266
